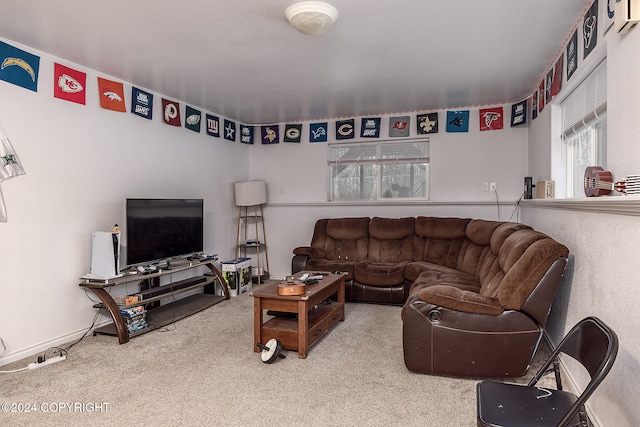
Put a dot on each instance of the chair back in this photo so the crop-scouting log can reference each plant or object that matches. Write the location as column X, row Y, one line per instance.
column 594, row 345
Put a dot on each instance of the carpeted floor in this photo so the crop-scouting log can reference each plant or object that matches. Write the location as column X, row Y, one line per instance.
column 202, row 371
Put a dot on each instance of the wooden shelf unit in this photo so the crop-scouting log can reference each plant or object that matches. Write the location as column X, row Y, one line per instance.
column 159, row 315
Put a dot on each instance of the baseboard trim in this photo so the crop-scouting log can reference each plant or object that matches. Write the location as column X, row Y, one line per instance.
column 43, row 346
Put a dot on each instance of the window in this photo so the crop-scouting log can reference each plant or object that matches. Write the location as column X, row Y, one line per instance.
column 378, row 171
column 584, row 128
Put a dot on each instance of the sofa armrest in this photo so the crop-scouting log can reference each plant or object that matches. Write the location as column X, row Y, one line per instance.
column 460, row 300
column 298, row 263
column 310, row 252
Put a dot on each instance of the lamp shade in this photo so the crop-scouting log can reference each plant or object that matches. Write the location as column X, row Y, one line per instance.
column 250, row 193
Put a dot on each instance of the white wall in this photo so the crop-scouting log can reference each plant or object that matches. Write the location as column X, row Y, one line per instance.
column 81, row 163
column 602, row 278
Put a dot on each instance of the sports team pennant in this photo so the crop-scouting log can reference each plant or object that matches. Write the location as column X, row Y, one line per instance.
column 534, row 105
column 427, row 123
column 19, row 67
column 399, row 126
column 572, row 55
column 292, row 132
column 141, row 103
column 69, row 84
column 193, row 119
column 491, row 118
column 229, row 130
column 541, row 100
column 345, row 129
column 171, row 112
column 590, row 29
column 246, row 134
column 213, row 125
column 519, row 113
column 10, row 165
column 270, row 134
column 547, row 86
column 370, row 127
column 556, row 86
column 458, row 121
column 111, row 95
column 318, row 132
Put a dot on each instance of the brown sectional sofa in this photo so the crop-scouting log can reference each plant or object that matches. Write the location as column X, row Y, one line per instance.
column 476, row 294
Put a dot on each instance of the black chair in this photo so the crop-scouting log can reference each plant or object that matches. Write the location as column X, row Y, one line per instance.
column 590, row 342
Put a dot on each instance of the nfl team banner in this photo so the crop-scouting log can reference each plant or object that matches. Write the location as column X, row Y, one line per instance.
column 246, row 134
column 192, row 122
column 19, row 67
column 270, row 134
column 519, row 113
column 557, row 77
column 213, row 125
column 111, row 95
column 141, row 103
column 590, row 29
column 370, row 127
column 541, row 93
column 458, row 121
column 292, row 132
column 399, row 126
column 572, row 55
column 345, row 129
column 491, row 118
column 69, row 84
column 318, row 132
column 229, row 130
column 427, row 123
column 171, row 112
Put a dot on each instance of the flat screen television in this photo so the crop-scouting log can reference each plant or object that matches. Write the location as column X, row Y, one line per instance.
column 161, row 229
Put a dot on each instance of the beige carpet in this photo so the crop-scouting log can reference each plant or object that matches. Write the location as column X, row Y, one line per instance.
column 202, row 371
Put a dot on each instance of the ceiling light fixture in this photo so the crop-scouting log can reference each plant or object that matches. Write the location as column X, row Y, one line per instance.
column 311, row 17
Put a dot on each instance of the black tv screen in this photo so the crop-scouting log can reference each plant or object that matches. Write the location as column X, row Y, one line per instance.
column 159, row 229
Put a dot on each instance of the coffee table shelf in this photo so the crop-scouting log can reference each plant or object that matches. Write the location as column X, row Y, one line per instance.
column 321, row 321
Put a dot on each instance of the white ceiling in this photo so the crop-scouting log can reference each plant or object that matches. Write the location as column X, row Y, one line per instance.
column 241, row 59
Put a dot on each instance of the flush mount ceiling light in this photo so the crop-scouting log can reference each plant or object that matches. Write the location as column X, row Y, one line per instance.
column 311, row 17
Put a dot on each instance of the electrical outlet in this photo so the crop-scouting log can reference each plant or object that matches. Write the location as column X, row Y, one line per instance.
column 492, row 186
column 485, row 186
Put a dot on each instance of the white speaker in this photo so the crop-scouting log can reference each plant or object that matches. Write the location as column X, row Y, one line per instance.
column 105, row 255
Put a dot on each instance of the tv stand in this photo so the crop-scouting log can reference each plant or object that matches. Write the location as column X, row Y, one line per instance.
column 159, row 315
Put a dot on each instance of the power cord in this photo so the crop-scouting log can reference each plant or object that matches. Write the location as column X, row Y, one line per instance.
column 497, row 202
column 61, row 351
column 516, row 209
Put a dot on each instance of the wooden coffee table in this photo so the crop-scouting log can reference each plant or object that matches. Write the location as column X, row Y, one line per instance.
column 314, row 314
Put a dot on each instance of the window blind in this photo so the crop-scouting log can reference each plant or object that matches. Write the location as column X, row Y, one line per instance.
column 379, row 152
column 586, row 103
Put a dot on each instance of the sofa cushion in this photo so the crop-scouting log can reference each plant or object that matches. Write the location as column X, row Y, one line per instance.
column 445, row 276
column 346, row 239
column 439, row 240
column 460, row 300
column 391, row 239
column 374, row 273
